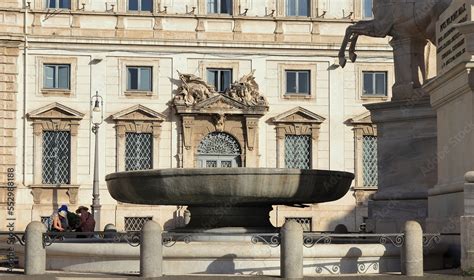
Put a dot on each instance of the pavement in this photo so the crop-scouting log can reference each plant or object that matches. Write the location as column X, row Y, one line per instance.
column 18, row 275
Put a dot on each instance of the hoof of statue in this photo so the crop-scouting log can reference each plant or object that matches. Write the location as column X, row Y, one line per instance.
column 353, row 57
column 342, row 61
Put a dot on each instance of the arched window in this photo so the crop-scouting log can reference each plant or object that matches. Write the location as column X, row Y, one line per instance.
column 218, row 149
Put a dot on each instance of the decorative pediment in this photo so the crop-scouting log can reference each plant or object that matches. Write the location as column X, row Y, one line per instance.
column 298, row 115
column 195, row 94
column 138, row 113
column 362, row 119
column 55, row 111
column 220, row 102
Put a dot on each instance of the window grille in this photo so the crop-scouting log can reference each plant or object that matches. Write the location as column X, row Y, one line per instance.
column 140, row 5
column 136, row 223
column 298, row 82
column 139, row 78
column 219, row 78
column 369, row 161
column 298, row 151
column 375, row 83
column 138, row 151
column 56, row 157
column 299, row 8
column 218, row 143
column 306, row 223
column 57, row 76
column 218, row 150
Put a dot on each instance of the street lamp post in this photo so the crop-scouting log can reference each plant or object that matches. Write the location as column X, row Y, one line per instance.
column 97, row 117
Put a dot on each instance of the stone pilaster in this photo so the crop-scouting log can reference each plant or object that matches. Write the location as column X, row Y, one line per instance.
column 8, row 107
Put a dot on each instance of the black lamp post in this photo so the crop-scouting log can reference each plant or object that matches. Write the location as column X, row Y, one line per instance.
column 97, row 117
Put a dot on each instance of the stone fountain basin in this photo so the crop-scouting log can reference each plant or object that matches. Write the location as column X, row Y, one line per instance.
column 218, row 186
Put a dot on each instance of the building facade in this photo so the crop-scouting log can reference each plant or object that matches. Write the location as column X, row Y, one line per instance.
column 185, row 84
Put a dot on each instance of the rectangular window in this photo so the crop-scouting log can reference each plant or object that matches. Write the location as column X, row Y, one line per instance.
column 139, row 78
column 138, row 151
column 219, row 7
column 369, row 161
column 374, row 83
column 367, row 9
column 298, row 82
column 57, row 76
column 136, row 223
column 219, row 78
column 56, row 157
column 140, row 5
column 59, row 4
column 299, row 8
column 298, row 151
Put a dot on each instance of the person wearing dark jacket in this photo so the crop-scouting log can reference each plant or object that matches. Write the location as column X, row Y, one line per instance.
column 87, row 223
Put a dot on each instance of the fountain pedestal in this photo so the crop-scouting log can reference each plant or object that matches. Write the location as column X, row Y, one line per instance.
column 228, row 215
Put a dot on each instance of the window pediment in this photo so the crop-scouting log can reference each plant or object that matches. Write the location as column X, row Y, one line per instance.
column 362, row 119
column 138, row 113
column 55, row 111
column 299, row 115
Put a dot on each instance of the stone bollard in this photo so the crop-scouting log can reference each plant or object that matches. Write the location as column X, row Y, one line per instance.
column 35, row 253
column 110, row 231
column 291, row 250
column 412, row 258
column 151, row 250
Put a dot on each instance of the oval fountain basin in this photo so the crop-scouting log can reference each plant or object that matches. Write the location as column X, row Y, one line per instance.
column 218, row 186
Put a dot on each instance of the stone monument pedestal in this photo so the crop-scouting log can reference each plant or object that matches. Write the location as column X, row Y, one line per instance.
column 406, row 143
column 467, row 226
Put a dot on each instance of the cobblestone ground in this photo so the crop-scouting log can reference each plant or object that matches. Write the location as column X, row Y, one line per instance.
column 17, row 275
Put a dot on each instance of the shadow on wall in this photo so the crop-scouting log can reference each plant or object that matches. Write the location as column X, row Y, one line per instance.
column 350, row 261
column 224, row 264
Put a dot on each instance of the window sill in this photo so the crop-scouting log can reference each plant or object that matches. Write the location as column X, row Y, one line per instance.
column 297, row 17
column 56, row 92
column 137, row 93
column 62, row 9
column 374, row 97
column 366, row 189
column 220, row 14
column 139, row 12
column 54, row 186
column 297, row 96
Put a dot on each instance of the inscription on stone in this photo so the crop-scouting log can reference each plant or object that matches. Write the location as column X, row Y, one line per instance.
column 451, row 43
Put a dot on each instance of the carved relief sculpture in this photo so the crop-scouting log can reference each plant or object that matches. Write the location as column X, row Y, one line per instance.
column 194, row 90
column 246, row 90
column 411, row 24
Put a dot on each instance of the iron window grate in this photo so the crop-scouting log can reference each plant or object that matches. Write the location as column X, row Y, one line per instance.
column 369, row 161
column 138, row 151
column 298, row 151
column 305, row 222
column 136, row 223
column 56, row 157
column 218, row 143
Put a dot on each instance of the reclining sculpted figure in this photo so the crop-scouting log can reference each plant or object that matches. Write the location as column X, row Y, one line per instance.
column 411, row 23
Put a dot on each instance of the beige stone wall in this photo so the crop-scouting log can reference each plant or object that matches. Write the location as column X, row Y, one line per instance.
column 99, row 44
column 9, row 52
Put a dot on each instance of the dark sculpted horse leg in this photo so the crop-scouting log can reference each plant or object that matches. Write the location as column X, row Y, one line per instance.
column 366, row 28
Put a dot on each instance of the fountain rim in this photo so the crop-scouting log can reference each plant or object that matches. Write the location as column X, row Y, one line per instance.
column 226, row 171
